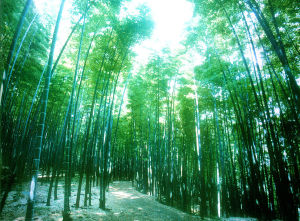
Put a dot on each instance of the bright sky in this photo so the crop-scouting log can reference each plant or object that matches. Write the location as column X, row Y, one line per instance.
column 51, row 8
column 170, row 19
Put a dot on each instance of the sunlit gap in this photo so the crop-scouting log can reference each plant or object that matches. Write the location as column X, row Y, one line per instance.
column 48, row 11
column 171, row 18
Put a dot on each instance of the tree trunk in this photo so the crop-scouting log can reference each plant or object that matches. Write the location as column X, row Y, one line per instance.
column 37, row 151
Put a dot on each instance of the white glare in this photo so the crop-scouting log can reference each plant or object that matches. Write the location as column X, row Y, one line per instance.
column 170, row 17
column 32, row 186
column 49, row 9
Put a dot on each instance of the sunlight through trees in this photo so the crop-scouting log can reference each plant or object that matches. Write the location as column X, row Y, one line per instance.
column 204, row 117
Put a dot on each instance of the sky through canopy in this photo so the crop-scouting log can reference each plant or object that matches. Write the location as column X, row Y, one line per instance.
column 171, row 17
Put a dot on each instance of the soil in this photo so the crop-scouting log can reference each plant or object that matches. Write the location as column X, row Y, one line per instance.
column 123, row 203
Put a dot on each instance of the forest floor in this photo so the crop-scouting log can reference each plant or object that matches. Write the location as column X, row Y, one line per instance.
column 124, row 203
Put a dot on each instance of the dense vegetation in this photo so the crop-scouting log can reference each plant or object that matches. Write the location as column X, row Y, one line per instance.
column 218, row 139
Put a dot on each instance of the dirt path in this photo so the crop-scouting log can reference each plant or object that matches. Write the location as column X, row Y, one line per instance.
column 124, row 203
column 129, row 204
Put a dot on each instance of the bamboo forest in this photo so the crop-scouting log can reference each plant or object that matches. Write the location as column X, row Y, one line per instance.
column 150, row 110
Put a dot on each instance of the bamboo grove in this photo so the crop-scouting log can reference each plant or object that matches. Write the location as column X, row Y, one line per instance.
column 217, row 139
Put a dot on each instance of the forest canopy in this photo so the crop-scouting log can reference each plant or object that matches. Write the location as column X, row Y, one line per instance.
column 210, row 127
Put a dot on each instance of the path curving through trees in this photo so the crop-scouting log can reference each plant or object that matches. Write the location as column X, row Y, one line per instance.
column 123, row 203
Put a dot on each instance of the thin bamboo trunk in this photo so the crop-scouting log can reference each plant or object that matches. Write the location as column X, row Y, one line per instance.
column 37, row 151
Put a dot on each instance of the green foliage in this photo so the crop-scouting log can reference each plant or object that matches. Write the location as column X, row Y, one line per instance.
column 222, row 132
